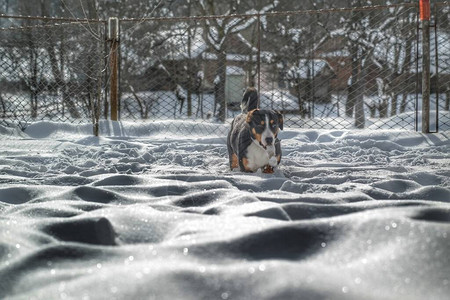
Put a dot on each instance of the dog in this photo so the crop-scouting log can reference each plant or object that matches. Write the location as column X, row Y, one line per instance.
column 253, row 138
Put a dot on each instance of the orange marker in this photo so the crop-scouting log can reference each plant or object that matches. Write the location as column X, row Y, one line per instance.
column 424, row 10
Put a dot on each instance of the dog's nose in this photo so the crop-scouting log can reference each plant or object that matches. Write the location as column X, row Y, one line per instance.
column 269, row 141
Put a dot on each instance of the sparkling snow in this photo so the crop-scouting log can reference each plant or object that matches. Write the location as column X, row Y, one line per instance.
column 143, row 213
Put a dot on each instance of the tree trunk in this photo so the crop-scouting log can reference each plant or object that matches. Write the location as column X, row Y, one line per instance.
column 301, row 103
column 58, row 70
column 33, row 84
column 394, row 104
column 384, row 108
column 2, row 102
column 405, row 71
column 359, row 111
column 189, row 102
column 199, row 92
column 372, row 110
column 390, row 90
column 404, row 103
column 221, row 73
column 190, row 77
column 353, row 86
column 94, row 70
column 447, row 100
column 360, row 118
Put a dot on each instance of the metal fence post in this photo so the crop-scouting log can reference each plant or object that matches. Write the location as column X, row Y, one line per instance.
column 425, row 19
column 113, row 36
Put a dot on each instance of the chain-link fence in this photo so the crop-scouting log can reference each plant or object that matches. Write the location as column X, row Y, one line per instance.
column 50, row 69
column 191, row 69
column 337, row 68
column 341, row 68
column 350, row 68
column 440, row 67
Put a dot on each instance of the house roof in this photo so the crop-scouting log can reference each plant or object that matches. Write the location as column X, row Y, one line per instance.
column 178, row 39
column 306, row 67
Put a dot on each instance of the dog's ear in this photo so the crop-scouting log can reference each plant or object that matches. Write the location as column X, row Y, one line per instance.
column 280, row 120
column 250, row 115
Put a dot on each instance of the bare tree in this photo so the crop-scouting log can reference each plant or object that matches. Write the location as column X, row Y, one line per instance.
column 218, row 32
column 362, row 31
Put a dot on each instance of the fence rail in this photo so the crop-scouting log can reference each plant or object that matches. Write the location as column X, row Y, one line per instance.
column 335, row 68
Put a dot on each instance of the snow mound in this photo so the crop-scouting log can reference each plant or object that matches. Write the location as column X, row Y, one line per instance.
column 143, row 212
column 406, row 120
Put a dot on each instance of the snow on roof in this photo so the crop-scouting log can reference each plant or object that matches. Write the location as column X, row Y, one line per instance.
column 305, row 67
column 278, row 99
column 230, row 57
column 337, row 53
column 233, row 70
column 179, row 41
column 265, row 56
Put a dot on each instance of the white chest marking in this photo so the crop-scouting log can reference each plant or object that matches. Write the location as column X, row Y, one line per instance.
column 257, row 156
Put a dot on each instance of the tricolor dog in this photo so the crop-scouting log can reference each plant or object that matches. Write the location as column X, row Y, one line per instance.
column 252, row 141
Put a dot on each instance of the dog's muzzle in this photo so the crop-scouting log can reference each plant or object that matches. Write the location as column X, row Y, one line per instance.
column 269, row 143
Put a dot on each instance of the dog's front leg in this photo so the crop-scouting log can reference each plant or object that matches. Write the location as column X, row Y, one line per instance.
column 268, row 169
column 244, row 141
column 244, row 165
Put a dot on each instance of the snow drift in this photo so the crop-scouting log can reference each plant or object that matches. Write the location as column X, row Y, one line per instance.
column 147, row 213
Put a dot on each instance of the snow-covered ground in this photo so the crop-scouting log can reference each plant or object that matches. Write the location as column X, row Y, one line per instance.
column 147, row 106
column 149, row 212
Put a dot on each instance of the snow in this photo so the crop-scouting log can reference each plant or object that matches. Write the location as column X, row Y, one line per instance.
column 178, row 39
column 265, row 56
column 234, row 70
column 337, row 53
column 148, row 211
column 305, row 68
column 279, row 100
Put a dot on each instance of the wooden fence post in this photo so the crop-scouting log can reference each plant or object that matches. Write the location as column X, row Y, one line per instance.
column 425, row 19
column 113, row 37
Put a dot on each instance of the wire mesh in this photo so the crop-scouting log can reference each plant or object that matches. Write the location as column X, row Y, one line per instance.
column 321, row 69
column 440, row 67
column 50, row 70
column 186, row 69
column 335, row 68
column 342, row 69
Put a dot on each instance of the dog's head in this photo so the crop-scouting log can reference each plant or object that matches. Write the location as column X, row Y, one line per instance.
column 264, row 126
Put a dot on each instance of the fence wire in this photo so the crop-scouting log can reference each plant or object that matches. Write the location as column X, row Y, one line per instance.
column 335, row 69
column 440, row 67
column 327, row 69
column 343, row 69
column 50, row 70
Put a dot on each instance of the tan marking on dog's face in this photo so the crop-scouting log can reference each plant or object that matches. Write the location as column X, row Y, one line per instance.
column 262, row 122
column 272, row 121
column 245, row 163
column 234, row 161
column 256, row 135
